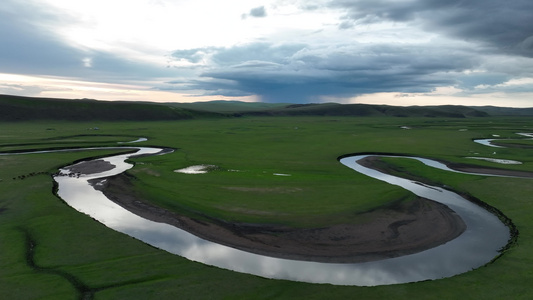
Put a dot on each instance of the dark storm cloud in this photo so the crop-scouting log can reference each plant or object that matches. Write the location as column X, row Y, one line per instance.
column 208, row 86
column 258, row 12
column 506, row 25
column 473, row 80
column 296, row 73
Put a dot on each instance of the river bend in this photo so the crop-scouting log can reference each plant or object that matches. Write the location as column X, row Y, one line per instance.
column 480, row 243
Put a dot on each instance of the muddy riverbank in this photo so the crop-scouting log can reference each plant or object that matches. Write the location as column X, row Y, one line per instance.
column 405, row 228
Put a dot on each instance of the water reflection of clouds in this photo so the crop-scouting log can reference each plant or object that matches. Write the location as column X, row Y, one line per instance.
column 135, row 141
column 475, row 247
column 488, row 142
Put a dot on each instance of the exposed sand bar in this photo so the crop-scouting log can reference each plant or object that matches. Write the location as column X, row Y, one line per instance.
column 91, row 167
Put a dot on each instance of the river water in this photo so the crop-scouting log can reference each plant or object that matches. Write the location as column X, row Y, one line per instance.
column 479, row 244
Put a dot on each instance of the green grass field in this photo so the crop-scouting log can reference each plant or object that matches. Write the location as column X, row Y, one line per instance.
column 50, row 251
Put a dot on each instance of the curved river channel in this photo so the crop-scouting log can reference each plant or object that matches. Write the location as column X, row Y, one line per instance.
column 479, row 244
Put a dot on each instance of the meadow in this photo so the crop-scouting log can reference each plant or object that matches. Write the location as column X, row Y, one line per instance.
column 50, row 251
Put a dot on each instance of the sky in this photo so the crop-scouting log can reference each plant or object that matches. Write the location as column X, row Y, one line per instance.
column 396, row 52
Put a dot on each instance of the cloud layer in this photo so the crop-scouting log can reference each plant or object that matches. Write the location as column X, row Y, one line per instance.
column 300, row 73
column 508, row 26
column 278, row 51
column 465, row 38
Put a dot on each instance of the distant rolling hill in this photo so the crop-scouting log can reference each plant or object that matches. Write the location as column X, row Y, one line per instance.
column 505, row 111
column 221, row 106
column 237, row 108
column 364, row 110
column 16, row 108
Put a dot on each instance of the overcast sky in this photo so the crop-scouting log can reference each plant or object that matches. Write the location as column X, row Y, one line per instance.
column 398, row 52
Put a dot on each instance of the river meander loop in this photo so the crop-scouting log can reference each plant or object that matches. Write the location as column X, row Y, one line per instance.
column 484, row 237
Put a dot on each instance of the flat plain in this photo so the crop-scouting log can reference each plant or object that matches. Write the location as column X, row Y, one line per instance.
column 50, row 251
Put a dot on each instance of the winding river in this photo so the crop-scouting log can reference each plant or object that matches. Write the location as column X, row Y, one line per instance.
column 479, row 244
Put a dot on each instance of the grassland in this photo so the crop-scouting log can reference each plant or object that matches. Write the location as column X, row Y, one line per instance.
column 50, row 251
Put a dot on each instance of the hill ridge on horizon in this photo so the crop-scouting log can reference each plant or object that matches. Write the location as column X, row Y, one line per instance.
column 20, row 108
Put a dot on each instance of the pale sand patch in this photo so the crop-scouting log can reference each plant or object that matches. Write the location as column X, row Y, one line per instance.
column 198, row 169
column 497, row 160
column 136, row 141
column 526, row 134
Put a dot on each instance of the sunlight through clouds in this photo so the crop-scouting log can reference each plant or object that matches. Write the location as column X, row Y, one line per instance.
column 66, row 88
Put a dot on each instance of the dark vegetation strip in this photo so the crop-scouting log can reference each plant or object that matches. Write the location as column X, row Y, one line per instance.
column 85, row 292
column 22, row 177
column 512, row 145
column 89, row 135
column 61, row 139
column 79, row 148
column 513, row 230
